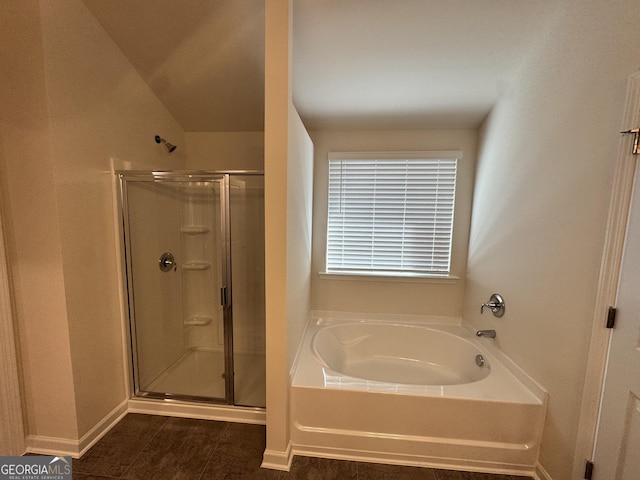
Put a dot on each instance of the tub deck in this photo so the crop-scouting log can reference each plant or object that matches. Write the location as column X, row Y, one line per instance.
column 492, row 425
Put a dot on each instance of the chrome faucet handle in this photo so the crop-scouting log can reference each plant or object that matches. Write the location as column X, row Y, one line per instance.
column 490, row 305
column 495, row 304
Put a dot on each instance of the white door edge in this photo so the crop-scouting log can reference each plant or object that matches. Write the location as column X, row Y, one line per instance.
column 621, row 195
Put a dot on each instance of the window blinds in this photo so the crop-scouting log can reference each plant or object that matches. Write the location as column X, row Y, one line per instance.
column 390, row 216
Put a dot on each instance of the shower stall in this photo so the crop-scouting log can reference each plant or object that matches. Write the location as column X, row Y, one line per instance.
column 194, row 257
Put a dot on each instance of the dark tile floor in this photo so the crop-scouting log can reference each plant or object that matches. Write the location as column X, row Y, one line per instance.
column 148, row 447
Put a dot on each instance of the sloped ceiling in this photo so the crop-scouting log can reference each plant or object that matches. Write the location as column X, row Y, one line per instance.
column 357, row 63
column 204, row 59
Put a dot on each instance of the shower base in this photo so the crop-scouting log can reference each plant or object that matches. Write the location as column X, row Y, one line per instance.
column 199, row 372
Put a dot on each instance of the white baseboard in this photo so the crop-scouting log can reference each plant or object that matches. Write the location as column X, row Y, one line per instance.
column 102, row 427
column 278, row 460
column 76, row 448
column 53, row 446
column 541, row 473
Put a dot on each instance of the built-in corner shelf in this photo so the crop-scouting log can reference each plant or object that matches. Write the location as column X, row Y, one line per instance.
column 197, row 321
column 196, row 266
column 195, row 229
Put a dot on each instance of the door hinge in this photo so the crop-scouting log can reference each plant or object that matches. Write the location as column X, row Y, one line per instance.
column 588, row 470
column 223, row 296
column 611, row 317
column 636, row 139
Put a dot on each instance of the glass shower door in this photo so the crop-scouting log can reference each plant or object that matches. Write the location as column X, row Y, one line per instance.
column 246, row 211
column 177, row 253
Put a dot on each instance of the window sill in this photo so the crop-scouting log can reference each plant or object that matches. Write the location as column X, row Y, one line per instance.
column 380, row 277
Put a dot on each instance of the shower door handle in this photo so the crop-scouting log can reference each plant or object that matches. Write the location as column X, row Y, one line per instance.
column 167, row 262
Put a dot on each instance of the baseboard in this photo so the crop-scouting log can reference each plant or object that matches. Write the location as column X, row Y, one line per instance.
column 102, row 427
column 43, row 445
column 541, row 473
column 278, row 460
column 76, row 448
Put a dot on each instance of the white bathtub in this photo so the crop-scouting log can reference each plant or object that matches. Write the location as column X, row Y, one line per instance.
column 398, row 354
column 403, row 390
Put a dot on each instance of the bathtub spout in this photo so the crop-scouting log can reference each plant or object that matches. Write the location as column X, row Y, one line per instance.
column 486, row 333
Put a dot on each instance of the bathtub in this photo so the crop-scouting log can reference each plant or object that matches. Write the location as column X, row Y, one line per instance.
column 413, row 391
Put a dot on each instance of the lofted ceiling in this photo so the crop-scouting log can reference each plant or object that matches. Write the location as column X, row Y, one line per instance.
column 357, row 64
column 204, row 59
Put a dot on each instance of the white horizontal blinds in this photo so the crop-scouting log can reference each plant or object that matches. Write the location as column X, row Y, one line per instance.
column 390, row 216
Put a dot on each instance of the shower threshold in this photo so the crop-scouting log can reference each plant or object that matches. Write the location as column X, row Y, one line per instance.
column 199, row 373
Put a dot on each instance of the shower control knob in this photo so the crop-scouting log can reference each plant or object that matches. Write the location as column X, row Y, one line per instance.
column 166, row 262
column 495, row 304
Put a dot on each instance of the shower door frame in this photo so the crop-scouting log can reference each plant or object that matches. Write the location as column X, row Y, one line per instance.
column 226, row 294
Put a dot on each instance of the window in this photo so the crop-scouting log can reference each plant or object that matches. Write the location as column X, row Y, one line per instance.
column 391, row 213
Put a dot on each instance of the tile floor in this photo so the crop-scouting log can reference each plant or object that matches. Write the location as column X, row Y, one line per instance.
column 148, row 447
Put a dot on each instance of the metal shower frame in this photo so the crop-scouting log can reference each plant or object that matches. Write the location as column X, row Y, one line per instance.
column 166, row 176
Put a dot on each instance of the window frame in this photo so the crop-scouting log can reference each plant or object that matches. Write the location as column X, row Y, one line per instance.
column 443, row 277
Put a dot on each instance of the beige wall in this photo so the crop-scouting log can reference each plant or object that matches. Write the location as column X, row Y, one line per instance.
column 276, row 138
column 377, row 296
column 542, row 193
column 99, row 108
column 288, row 160
column 33, row 235
column 299, row 212
column 225, row 150
column 12, row 436
column 72, row 104
column 76, row 106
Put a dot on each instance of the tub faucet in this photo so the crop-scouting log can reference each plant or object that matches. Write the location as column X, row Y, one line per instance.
column 486, row 333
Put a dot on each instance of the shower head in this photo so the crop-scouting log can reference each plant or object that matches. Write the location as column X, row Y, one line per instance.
column 171, row 147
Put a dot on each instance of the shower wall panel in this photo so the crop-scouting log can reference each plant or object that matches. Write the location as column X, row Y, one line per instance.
column 201, row 267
